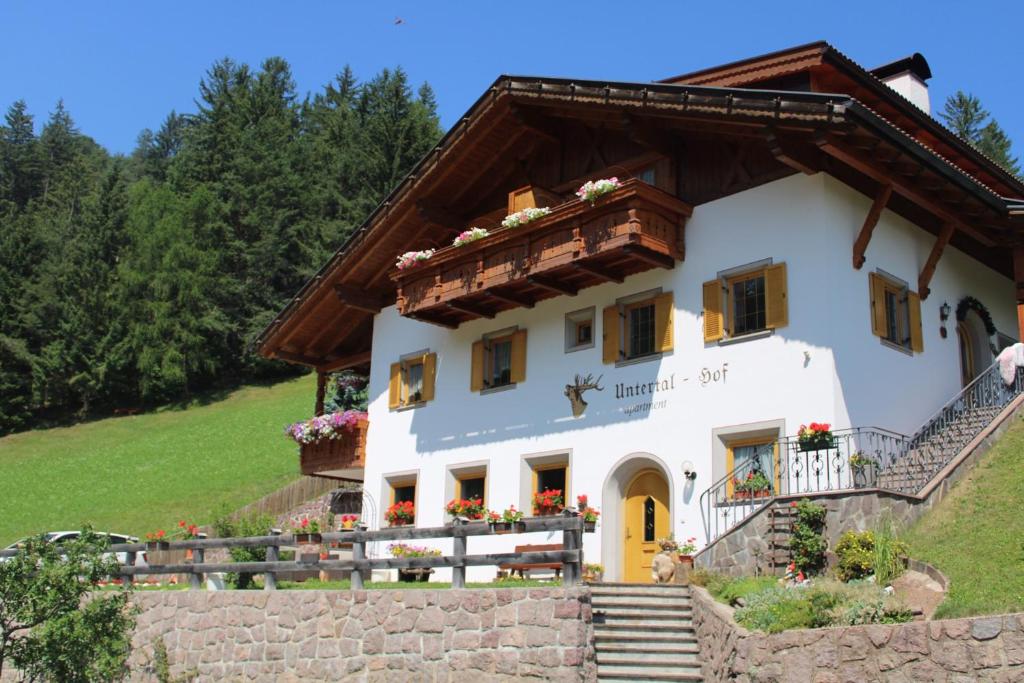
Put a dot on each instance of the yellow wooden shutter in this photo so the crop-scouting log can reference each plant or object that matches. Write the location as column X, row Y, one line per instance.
column 878, row 326
column 714, row 322
column 518, row 371
column 914, row 315
column 611, row 344
column 776, row 297
column 663, row 321
column 429, row 373
column 395, row 386
column 476, row 377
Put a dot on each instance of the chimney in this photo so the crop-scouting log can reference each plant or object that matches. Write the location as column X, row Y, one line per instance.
column 907, row 76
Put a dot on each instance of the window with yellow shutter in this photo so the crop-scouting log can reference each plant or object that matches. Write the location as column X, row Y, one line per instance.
column 746, row 301
column 412, row 380
column 638, row 327
column 499, row 360
column 895, row 312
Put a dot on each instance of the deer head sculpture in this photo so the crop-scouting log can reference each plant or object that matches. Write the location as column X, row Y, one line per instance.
column 574, row 392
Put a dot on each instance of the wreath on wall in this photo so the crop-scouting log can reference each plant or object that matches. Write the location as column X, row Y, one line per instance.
column 969, row 303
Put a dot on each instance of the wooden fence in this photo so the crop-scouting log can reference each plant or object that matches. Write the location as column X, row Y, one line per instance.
column 289, row 497
column 571, row 555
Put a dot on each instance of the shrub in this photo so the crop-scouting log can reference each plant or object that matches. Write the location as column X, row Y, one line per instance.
column 733, row 589
column 889, row 552
column 806, row 541
column 253, row 525
column 855, row 553
column 776, row 609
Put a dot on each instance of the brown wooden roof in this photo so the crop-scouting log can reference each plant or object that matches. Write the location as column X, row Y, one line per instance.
column 517, row 116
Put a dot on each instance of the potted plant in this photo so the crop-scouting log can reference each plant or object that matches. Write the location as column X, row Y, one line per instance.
column 756, row 485
column 351, row 523
column 592, row 189
column 471, row 235
column 306, row 530
column 157, row 540
column 401, row 514
column 507, row 522
column 592, row 572
column 668, row 544
column 411, row 259
column 686, row 551
column 815, row 437
column 588, row 513
column 859, row 462
column 403, row 550
column 548, row 502
column 463, row 510
column 514, row 220
column 325, row 554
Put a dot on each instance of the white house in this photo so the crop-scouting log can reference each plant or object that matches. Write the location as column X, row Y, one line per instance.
column 776, row 255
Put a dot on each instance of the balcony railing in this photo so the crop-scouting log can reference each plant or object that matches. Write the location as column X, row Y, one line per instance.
column 577, row 245
column 343, row 458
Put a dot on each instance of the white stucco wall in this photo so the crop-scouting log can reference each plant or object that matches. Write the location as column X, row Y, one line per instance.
column 824, row 366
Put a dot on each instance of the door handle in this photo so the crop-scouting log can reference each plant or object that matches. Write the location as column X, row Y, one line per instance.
column 628, row 535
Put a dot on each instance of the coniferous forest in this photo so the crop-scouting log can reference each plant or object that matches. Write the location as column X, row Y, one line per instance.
column 129, row 281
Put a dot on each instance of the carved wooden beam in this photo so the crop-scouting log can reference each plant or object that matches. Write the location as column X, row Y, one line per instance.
column 321, row 391
column 553, row 285
column 835, row 149
column 644, row 134
column 648, row 256
column 433, row 320
column 344, row 362
column 297, row 358
column 513, row 299
column 928, row 271
column 860, row 245
column 598, row 272
column 782, row 152
column 536, row 123
column 470, row 309
column 358, row 298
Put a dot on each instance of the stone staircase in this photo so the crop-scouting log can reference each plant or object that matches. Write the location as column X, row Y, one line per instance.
column 644, row 632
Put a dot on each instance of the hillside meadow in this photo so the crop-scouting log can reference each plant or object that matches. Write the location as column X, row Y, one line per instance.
column 136, row 474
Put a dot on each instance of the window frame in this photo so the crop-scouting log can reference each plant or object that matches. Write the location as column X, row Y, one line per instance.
column 573, row 321
column 728, row 278
column 404, row 397
column 401, row 481
column 461, row 477
column 625, row 305
column 627, row 322
column 730, row 460
column 489, row 343
column 900, row 289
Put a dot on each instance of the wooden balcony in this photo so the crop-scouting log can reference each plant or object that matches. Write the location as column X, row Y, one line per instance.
column 635, row 228
column 336, row 458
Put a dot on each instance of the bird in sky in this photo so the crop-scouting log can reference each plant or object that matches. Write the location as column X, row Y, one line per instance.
column 399, row 20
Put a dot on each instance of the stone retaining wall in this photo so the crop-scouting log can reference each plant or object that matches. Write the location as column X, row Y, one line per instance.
column 409, row 635
column 954, row 650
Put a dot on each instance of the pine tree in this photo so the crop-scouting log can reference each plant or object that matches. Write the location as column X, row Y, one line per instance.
column 966, row 117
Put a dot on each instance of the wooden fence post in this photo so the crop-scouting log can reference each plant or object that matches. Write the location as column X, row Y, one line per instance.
column 459, row 554
column 571, row 571
column 270, row 578
column 195, row 579
column 129, row 560
column 358, row 553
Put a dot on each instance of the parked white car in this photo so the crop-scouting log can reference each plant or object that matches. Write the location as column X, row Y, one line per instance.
column 61, row 537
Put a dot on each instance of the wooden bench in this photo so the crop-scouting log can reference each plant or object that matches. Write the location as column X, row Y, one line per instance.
column 525, row 566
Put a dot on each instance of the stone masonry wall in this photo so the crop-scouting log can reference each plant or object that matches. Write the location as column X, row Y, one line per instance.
column 408, row 635
column 953, row 651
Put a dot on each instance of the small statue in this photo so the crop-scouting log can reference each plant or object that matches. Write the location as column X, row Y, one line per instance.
column 663, row 569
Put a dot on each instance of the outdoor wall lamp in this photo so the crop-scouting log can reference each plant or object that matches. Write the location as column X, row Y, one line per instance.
column 689, row 471
column 944, row 311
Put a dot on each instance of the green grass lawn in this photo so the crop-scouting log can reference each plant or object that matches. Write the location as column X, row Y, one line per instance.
column 975, row 535
column 137, row 474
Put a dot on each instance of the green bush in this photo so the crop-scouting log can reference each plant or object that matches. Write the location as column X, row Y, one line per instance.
column 855, row 555
column 253, row 525
column 733, row 589
column 889, row 552
column 806, row 541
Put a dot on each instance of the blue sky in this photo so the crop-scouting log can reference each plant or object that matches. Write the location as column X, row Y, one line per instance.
column 122, row 66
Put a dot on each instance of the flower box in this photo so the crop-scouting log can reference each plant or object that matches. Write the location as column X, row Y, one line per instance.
column 547, row 510
column 308, row 538
column 589, row 527
column 508, row 527
column 818, row 443
column 154, row 546
column 749, row 495
column 414, row 575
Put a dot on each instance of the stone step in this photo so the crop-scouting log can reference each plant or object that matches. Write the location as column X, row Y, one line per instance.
column 652, row 638
column 642, row 623
column 641, row 601
column 620, row 587
column 640, row 645
column 647, row 659
column 631, row 612
column 651, row 674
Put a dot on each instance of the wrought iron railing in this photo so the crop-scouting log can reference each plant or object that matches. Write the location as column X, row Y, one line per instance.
column 853, row 458
column 859, row 457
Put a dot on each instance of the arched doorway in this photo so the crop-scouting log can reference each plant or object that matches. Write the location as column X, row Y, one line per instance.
column 646, row 519
column 625, row 481
column 975, row 350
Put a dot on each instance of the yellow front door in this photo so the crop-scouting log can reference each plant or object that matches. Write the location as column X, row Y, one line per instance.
column 646, row 517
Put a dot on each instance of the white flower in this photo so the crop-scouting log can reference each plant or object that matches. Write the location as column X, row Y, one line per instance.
column 470, row 235
column 525, row 216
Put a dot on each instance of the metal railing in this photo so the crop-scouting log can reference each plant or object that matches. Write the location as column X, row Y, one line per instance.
column 860, row 457
column 853, row 459
column 570, row 556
